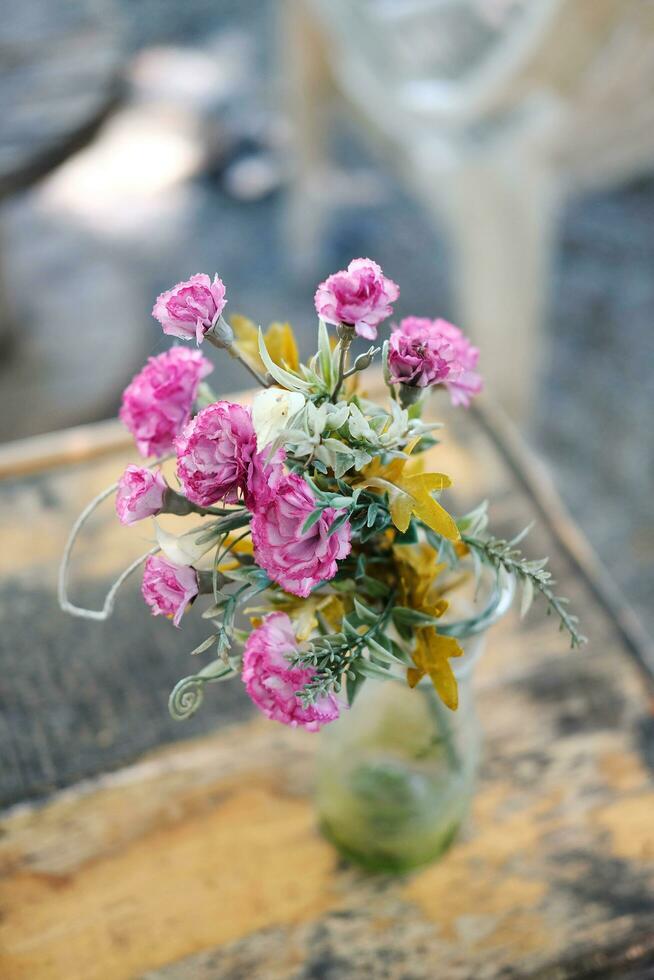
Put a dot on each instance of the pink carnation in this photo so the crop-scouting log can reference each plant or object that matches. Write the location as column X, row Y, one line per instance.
column 426, row 352
column 158, row 401
column 140, row 494
column 191, row 308
column 360, row 295
column 419, row 354
column 264, row 476
column 273, row 684
column 168, row 588
column 294, row 559
column 466, row 383
column 214, row 453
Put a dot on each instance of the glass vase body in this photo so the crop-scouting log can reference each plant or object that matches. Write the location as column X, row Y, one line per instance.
column 396, row 773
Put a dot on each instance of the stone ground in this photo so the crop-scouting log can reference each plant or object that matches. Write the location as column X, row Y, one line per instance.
column 178, row 182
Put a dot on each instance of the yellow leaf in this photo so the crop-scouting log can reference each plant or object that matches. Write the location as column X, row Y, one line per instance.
column 410, row 492
column 246, row 339
column 304, row 612
column 432, row 657
column 281, row 345
column 305, row 620
column 279, row 338
column 418, row 570
column 400, row 506
column 426, row 508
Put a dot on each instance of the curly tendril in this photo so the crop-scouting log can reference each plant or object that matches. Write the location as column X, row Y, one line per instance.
column 186, row 697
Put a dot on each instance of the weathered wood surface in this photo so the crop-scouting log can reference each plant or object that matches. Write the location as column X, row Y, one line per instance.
column 202, row 860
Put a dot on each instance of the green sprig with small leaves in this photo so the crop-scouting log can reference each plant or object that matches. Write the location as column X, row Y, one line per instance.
column 532, row 575
column 335, row 656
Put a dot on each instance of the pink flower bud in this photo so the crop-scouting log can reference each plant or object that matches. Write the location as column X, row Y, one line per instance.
column 419, row 355
column 191, row 308
column 425, row 352
column 168, row 588
column 360, row 295
column 140, row 494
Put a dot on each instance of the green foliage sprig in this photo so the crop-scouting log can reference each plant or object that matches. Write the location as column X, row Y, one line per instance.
column 532, row 575
column 337, row 655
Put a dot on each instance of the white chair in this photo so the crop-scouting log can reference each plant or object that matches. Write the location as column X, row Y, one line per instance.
column 492, row 111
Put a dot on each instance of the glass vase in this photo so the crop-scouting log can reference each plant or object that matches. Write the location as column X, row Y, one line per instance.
column 396, row 773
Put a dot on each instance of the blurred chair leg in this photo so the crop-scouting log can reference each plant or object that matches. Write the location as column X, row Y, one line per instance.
column 309, row 89
column 501, row 219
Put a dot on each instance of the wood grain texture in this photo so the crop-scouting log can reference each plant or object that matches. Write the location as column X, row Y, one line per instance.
column 202, row 860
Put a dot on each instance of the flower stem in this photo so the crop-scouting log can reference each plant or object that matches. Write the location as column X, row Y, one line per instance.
column 235, row 353
column 345, row 337
column 443, row 724
column 177, row 503
column 255, row 374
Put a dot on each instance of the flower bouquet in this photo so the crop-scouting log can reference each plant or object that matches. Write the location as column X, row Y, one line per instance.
column 314, row 516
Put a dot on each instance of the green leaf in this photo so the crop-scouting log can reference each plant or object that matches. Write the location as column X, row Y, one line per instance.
column 353, row 685
column 410, row 536
column 527, row 596
column 318, row 493
column 213, row 532
column 325, row 353
column 217, row 670
column 369, row 669
column 350, row 630
column 383, row 654
column 522, row 535
column 342, row 463
column 312, row 519
column 215, row 610
column 402, row 655
column 411, row 617
column 475, row 521
column 209, row 642
column 358, row 521
column 365, row 614
column 337, row 501
column 284, row 378
column 333, row 528
column 385, row 369
column 372, row 586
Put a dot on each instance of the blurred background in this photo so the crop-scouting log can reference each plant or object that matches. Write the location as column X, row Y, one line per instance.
column 496, row 157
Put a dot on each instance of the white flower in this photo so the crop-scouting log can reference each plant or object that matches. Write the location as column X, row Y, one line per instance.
column 394, row 430
column 359, row 426
column 272, row 410
column 183, row 549
column 336, row 415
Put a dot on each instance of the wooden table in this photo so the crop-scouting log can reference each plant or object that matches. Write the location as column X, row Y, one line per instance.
column 201, row 858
